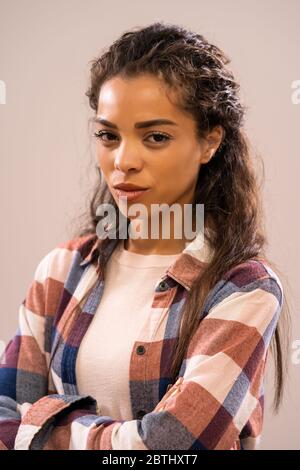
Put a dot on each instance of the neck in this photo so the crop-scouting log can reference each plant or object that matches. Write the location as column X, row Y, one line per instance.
column 162, row 244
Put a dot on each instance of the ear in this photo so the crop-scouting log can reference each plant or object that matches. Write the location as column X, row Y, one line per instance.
column 213, row 140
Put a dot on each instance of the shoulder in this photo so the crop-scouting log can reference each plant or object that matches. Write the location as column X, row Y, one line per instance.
column 249, row 293
column 77, row 244
column 254, row 274
column 251, row 275
column 55, row 264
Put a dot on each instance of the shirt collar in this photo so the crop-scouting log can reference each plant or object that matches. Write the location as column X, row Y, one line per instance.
column 196, row 255
column 192, row 260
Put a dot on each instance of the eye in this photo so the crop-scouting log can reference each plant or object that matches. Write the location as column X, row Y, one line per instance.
column 160, row 135
column 110, row 137
column 100, row 134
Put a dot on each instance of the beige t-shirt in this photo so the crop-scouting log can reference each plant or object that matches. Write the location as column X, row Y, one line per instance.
column 102, row 365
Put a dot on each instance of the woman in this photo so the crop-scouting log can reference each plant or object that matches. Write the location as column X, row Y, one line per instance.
column 174, row 355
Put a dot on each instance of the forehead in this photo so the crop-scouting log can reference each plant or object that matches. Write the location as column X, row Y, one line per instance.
column 138, row 96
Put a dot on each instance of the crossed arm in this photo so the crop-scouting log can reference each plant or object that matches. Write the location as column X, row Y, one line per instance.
column 216, row 402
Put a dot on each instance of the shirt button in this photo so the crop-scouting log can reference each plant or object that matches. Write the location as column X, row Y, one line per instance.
column 140, row 414
column 140, row 350
column 163, row 285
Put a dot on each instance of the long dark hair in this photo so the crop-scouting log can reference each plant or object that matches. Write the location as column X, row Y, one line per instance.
column 228, row 184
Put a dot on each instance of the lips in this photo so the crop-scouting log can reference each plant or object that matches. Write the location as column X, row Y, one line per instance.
column 129, row 187
column 130, row 195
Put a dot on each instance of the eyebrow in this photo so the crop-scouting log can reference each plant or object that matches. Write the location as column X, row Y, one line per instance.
column 138, row 125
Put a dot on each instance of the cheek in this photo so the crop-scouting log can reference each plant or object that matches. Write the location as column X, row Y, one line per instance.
column 178, row 169
column 104, row 162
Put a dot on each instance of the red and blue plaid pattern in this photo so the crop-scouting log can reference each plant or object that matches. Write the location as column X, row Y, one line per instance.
column 217, row 401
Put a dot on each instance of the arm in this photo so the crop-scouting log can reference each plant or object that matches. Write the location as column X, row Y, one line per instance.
column 216, row 400
column 23, row 364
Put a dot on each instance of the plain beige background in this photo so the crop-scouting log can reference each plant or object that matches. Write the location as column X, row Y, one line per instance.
column 47, row 161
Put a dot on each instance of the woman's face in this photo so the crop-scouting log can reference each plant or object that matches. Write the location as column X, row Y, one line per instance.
column 165, row 158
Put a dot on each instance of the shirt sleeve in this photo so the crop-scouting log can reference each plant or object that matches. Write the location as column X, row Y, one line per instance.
column 23, row 364
column 215, row 402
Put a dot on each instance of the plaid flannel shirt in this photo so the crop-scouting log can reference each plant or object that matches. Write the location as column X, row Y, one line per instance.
column 217, row 401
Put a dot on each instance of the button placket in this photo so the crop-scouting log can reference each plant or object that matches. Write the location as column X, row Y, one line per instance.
column 140, row 350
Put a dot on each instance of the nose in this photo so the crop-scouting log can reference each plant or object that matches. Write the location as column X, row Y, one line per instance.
column 127, row 159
